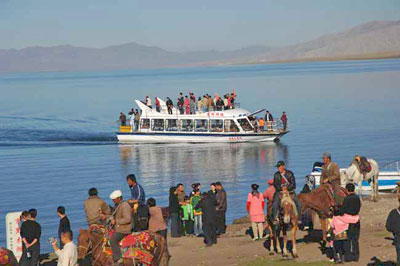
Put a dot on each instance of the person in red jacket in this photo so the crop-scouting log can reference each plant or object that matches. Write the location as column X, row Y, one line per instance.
column 158, row 105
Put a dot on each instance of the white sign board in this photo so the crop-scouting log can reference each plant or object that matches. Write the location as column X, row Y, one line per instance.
column 14, row 241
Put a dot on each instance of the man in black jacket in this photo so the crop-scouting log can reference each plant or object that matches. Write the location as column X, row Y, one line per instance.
column 393, row 226
column 283, row 178
column 64, row 225
column 209, row 218
column 351, row 206
column 221, row 208
column 30, row 234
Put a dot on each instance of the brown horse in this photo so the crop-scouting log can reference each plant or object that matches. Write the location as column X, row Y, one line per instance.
column 319, row 201
column 91, row 242
column 288, row 222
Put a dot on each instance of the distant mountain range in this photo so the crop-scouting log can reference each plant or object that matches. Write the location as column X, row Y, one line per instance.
column 377, row 39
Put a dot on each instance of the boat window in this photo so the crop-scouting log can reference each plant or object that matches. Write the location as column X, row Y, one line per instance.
column 201, row 125
column 157, row 124
column 230, row 126
column 186, row 125
column 145, row 123
column 216, row 125
column 245, row 124
column 172, row 124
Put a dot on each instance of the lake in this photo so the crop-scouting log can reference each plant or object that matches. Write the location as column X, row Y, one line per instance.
column 57, row 131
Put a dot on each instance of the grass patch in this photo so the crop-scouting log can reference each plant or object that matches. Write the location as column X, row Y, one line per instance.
column 282, row 262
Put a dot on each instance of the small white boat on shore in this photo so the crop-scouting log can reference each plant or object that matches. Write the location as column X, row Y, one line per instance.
column 387, row 180
column 229, row 126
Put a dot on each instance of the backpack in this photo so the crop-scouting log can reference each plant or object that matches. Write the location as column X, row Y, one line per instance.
column 142, row 218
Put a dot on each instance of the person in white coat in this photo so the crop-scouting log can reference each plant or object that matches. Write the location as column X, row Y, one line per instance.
column 68, row 256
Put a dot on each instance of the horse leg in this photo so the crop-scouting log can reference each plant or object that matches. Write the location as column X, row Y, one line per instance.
column 294, row 250
column 285, row 253
column 360, row 188
column 324, row 229
column 376, row 184
column 272, row 240
column 278, row 243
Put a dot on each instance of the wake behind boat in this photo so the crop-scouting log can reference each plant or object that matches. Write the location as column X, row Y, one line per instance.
column 168, row 125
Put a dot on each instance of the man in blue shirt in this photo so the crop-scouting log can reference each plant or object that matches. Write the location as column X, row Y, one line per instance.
column 137, row 200
column 137, row 192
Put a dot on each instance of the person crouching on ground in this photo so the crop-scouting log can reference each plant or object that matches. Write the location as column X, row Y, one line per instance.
column 122, row 222
column 393, row 226
column 68, row 255
column 156, row 221
column 255, row 208
column 209, row 218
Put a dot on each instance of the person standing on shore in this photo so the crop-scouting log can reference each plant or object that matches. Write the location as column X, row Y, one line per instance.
column 30, row 234
column 156, row 221
column 284, row 120
column 351, row 206
column 213, row 191
column 197, row 212
column 222, row 206
column 176, row 228
column 96, row 209
column 393, row 226
column 331, row 175
column 67, row 256
column 122, row 222
column 181, row 193
column 209, row 217
column 64, row 225
column 255, row 209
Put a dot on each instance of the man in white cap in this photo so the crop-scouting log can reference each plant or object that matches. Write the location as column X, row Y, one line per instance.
column 121, row 220
column 330, row 174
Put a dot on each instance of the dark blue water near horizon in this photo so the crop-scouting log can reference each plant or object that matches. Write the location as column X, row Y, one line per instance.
column 57, row 131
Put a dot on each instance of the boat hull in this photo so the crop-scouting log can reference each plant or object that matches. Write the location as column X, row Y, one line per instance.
column 386, row 181
column 195, row 138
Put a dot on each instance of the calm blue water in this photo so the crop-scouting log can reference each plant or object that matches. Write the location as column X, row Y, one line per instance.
column 57, row 140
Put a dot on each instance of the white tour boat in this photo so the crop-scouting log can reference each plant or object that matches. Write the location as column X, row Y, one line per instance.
column 228, row 126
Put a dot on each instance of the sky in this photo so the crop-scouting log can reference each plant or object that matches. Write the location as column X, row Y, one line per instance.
column 182, row 25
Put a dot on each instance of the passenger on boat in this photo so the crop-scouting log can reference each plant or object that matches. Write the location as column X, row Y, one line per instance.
column 192, row 104
column 210, row 104
column 199, row 105
column 180, row 103
column 269, row 119
column 170, row 105
column 148, row 102
column 158, row 106
column 284, row 120
column 122, row 119
column 137, row 119
column 233, row 96
column 261, row 123
column 204, row 103
column 186, row 104
column 225, row 102
column 131, row 116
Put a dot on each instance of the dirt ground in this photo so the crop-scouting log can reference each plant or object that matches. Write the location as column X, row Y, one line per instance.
column 236, row 248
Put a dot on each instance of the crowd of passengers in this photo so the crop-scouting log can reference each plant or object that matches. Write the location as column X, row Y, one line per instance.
column 189, row 105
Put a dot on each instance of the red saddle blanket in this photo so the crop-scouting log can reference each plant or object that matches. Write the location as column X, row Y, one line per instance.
column 140, row 246
column 4, row 257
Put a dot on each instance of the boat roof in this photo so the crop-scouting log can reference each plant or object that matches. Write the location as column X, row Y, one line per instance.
column 231, row 113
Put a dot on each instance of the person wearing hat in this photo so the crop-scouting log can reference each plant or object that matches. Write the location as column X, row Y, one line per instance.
column 283, row 180
column 121, row 220
column 331, row 175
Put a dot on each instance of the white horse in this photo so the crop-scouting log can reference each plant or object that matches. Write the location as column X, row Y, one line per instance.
column 353, row 175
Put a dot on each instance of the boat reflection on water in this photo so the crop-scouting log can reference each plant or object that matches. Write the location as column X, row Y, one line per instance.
column 237, row 166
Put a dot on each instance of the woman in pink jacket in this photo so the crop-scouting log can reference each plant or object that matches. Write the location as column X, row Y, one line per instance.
column 255, row 208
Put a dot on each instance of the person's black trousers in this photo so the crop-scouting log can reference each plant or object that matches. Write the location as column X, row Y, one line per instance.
column 351, row 247
column 221, row 222
column 176, row 225
column 116, row 250
column 210, row 233
column 34, row 256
